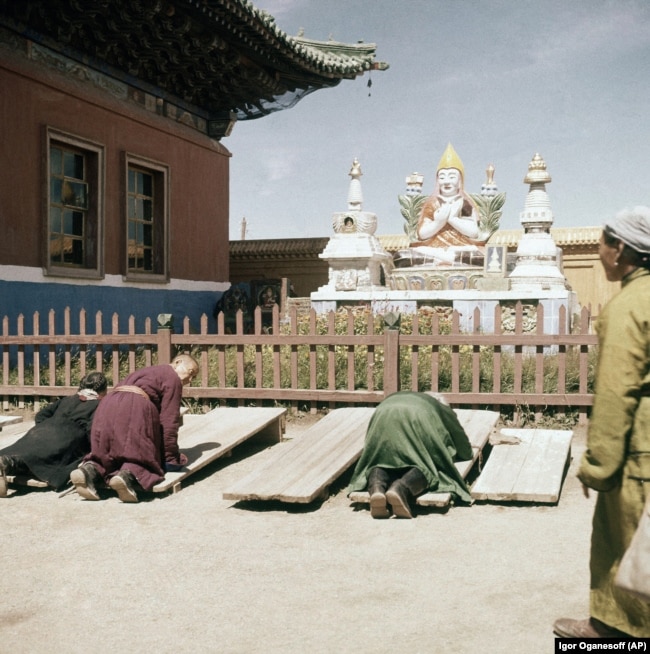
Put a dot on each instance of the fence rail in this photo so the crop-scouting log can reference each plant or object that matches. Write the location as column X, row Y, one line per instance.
column 307, row 360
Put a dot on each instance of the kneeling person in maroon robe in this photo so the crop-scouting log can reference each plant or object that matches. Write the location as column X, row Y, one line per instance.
column 134, row 436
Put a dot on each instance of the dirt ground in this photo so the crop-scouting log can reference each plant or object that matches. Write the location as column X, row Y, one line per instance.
column 192, row 572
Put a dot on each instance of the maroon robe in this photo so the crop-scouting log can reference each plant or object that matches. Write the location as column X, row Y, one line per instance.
column 130, row 432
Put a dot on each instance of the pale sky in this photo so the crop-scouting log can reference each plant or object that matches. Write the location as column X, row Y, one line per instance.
column 500, row 80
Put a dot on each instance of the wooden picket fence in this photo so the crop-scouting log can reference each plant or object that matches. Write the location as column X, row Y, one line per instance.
column 310, row 361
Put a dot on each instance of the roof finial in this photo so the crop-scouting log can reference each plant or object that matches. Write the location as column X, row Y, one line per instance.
column 489, row 189
column 355, row 197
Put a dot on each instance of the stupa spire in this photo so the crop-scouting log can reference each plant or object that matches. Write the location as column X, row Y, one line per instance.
column 537, row 214
column 537, row 255
column 355, row 196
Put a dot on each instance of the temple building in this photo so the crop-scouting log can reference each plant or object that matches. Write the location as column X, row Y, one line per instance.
column 113, row 117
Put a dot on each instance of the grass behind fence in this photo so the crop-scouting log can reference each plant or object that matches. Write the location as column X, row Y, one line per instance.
column 313, row 362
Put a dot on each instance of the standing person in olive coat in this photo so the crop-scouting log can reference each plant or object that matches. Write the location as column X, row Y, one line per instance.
column 617, row 460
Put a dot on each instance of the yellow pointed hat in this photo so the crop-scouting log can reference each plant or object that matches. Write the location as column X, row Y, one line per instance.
column 450, row 159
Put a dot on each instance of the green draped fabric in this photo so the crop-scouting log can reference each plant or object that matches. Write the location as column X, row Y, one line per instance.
column 411, row 429
column 618, row 449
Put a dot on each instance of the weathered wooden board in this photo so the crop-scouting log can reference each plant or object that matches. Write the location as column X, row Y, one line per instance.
column 203, row 438
column 302, row 470
column 11, row 433
column 5, row 421
column 527, row 467
column 478, row 426
column 210, row 436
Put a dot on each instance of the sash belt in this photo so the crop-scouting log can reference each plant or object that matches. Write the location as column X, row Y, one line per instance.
column 131, row 389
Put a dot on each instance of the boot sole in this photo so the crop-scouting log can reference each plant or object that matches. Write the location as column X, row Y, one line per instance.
column 378, row 508
column 400, row 509
column 78, row 478
column 123, row 491
column 567, row 628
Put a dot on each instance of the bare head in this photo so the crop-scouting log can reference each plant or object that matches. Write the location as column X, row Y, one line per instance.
column 186, row 367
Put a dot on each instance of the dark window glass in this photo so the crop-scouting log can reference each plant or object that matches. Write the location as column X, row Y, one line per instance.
column 68, row 206
column 73, row 165
column 142, row 229
column 56, row 162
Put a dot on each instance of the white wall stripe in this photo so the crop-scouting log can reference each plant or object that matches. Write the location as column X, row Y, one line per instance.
column 35, row 275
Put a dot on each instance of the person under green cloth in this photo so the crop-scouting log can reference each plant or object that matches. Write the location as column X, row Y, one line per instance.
column 412, row 442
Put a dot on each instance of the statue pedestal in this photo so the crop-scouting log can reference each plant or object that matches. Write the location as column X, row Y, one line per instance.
column 465, row 302
column 435, row 278
column 355, row 263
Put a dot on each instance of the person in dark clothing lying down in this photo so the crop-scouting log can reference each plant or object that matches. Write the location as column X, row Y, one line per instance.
column 58, row 441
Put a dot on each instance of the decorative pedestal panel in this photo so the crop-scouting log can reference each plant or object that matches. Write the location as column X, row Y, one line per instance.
column 465, row 302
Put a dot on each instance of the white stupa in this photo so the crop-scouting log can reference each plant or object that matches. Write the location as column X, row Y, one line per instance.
column 537, row 267
column 354, row 254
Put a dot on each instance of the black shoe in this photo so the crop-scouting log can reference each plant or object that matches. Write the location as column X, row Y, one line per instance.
column 378, row 481
column 589, row 628
column 5, row 468
column 401, row 495
column 12, row 466
column 398, row 497
column 124, row 484
column 85, row 478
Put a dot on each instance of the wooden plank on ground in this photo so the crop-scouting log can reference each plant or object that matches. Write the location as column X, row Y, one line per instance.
column 527, row 466
column 11, row 433
column 5, row 421
column 302, row 470
column 203, row 438
column 210, row 436
column 478, row 426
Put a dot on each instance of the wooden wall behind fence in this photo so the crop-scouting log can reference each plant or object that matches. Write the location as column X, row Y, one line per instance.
column 311, row 361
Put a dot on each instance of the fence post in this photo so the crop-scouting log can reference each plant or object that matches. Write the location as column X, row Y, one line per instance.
column 165, row 329
column 391, row 354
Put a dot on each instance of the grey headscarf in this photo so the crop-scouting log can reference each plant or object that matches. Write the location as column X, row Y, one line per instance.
column 632, row 226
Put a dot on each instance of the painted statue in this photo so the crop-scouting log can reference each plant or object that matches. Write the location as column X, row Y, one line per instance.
column 446, row 228
column 449, row 216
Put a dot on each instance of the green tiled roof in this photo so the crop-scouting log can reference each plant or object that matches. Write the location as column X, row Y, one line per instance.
column 222, row 59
